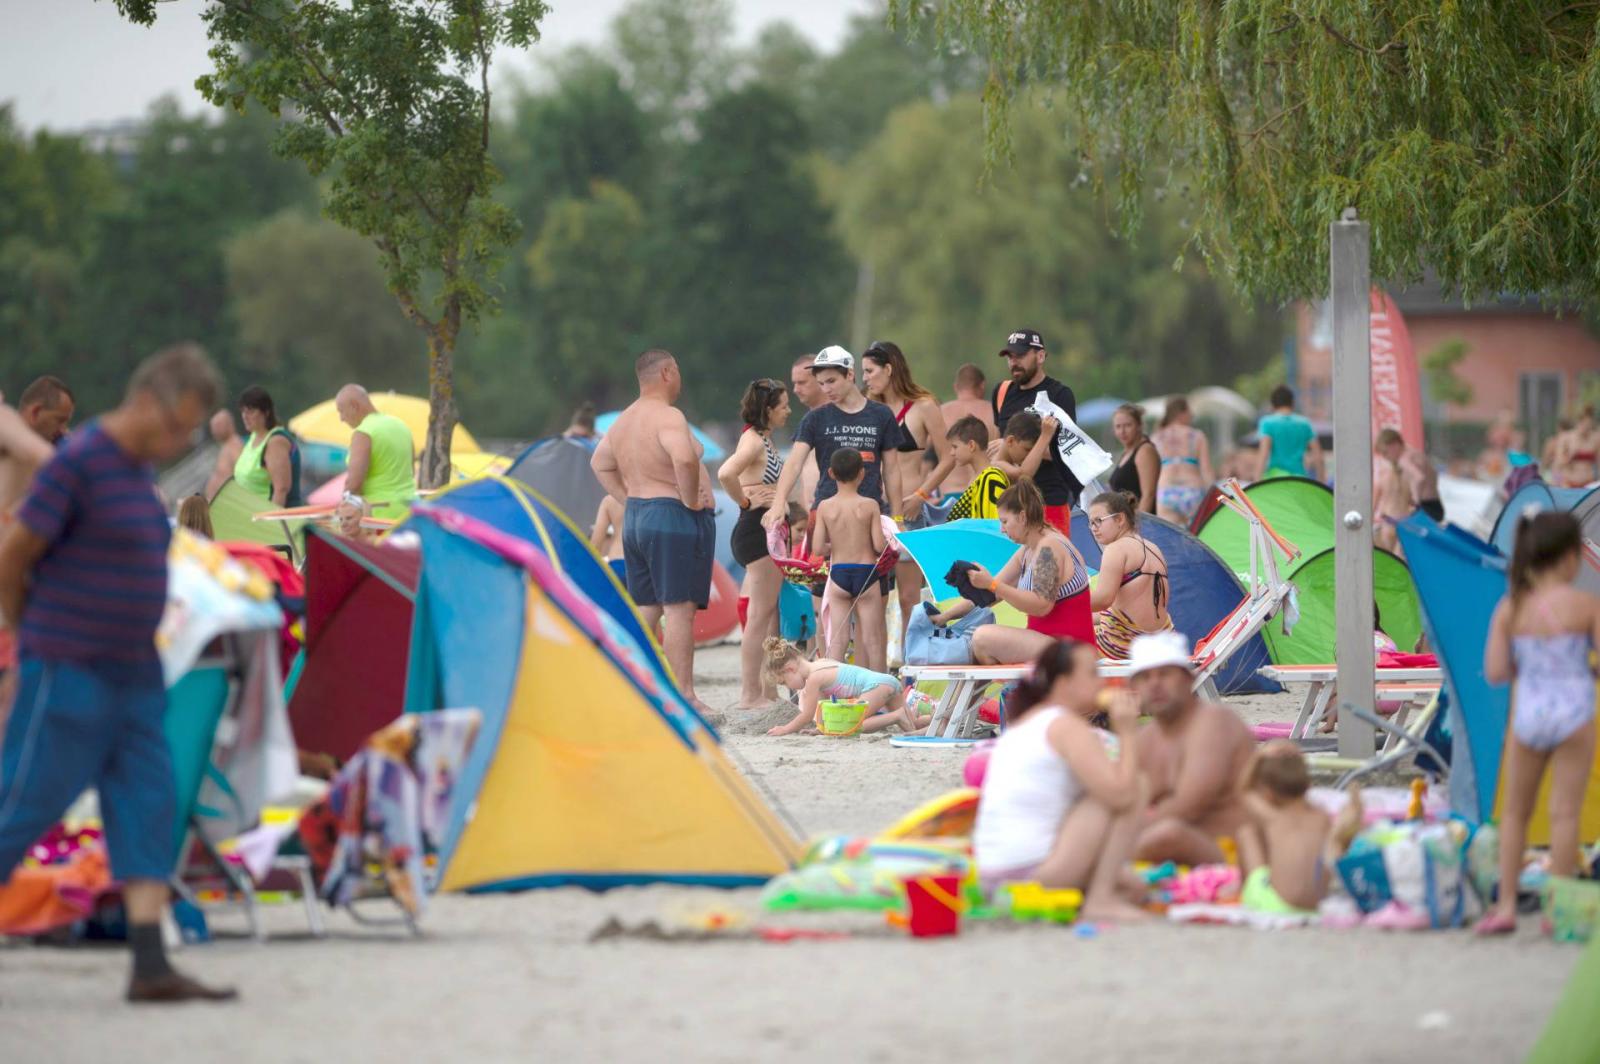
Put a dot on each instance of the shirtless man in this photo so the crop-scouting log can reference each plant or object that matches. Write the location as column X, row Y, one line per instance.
column 1193, row 753
column 969, row 402
column 28, row 435
column 809, row 393
column 226, row 433
column 650, row 461
column 1406, row 482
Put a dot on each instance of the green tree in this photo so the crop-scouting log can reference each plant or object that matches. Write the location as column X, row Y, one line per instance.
column 1444, row 383
column 745, row 271
column 1465, row 133
column 676, row 55
column 957, row 266
column 313, row 312
column 391, row 100
column 585, row 127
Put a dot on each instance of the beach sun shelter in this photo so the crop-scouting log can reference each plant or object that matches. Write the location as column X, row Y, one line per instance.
column 590, row 770
column 352, row 680
column 1461, row 580
column 1301, row 511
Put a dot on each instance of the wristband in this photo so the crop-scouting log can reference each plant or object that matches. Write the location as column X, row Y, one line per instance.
column 924, row 496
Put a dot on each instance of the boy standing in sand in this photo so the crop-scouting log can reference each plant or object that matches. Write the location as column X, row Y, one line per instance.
column 1285, row 844
column 849, row 534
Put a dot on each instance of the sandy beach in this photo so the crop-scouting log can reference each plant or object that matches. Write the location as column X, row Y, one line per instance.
column 515, row 977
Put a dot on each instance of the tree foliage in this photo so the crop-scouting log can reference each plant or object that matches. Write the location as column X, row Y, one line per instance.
column 391, row 101
column 313, row 312
column 1466, row 132
column 956, row 267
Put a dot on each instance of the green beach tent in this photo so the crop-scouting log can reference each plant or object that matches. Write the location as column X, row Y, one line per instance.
column 1301, row 511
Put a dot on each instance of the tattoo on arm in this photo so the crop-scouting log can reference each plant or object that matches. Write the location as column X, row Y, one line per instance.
column 1046, row 574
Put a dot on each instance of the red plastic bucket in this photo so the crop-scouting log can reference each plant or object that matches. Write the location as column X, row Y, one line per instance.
column 935, row 905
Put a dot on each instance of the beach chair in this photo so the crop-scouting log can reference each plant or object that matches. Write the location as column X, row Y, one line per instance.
column 201, row 707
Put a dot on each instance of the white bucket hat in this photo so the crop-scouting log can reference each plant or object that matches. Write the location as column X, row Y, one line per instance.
column 1159, row 651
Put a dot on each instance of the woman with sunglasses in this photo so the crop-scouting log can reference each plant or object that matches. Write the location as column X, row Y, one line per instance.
column 886, row 378
column 1130, row 596
column 750, row 477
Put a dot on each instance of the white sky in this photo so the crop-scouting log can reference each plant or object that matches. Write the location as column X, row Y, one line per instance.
column 66, row 64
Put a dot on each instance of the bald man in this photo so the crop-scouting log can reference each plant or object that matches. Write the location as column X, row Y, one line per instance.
column 226, row 433
column 650, row 461
column 382, row 469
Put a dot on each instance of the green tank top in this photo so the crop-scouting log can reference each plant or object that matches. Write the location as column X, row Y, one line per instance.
column 390, row 482
column 250, row 469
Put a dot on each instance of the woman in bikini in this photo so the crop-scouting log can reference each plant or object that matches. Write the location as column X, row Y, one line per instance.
column 1046, row 580
column 886, row 378
column 1130, row 594
column 750, row 477
column 1186, row 473
column 1137, row 471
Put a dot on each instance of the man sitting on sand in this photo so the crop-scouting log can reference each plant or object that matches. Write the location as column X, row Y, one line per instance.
column 1194, row 753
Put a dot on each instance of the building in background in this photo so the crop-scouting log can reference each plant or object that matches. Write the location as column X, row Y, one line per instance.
column 1536, row 364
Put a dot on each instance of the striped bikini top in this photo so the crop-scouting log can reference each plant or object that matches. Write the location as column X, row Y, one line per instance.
column 1076, row 584
column 774, row 467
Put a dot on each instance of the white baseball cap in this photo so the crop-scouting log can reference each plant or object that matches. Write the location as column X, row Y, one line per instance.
column 1158, row 651
column 834, row 357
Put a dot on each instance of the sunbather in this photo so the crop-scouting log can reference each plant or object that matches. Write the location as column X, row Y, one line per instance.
column 1056, row 808
column 827, row 679
column 1193, row 753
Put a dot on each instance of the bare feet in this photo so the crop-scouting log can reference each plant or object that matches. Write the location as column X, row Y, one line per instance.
column 1113, row 911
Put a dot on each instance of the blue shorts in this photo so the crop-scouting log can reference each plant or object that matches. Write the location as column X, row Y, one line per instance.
column 853, row 578
column 75, row 724
column 668, row 549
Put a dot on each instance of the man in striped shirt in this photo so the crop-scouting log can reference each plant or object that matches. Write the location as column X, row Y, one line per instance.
column 83, row 578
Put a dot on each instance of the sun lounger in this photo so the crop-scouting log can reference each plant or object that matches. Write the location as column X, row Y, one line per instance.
column 1410, row 686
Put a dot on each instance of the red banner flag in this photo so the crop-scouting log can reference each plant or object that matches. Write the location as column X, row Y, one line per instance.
column 1396, row 388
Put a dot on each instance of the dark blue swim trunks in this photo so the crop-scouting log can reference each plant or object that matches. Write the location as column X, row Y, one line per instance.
column 668, row 549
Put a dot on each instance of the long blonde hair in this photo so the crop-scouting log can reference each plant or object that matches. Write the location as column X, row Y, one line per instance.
column 776, row 655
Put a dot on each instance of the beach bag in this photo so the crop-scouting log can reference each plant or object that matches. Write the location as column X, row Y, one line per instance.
column 1422, row 866
column 1086, row 458
column 931, row 644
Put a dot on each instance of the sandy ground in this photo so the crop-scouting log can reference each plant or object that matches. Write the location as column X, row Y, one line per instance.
column 514, row 977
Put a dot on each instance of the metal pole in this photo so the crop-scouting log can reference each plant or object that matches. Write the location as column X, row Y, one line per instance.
column 1350, row 283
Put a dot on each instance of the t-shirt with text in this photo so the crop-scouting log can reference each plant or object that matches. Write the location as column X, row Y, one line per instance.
column 1054, row 480
column 872, row 430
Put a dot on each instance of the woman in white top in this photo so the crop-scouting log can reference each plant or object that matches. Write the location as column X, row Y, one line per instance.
column 1057, row 807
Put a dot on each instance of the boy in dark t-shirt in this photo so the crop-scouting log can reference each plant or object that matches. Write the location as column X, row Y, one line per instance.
column 848, row 419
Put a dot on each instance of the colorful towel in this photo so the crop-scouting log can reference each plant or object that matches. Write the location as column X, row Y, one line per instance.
column 390, row 804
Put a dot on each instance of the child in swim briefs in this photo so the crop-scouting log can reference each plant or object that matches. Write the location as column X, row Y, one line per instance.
column 849, row 533
column 1541, row 639
column 822, row 679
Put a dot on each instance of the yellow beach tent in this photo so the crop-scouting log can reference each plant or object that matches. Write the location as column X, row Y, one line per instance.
column 321, row 424
column 590, row 770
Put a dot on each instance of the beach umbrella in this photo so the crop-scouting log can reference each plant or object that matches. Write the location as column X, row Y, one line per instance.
column 321, row 424
column 968, row 540
column 714, row 450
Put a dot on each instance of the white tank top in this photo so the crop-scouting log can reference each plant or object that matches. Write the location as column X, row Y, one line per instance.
column 1027, row 790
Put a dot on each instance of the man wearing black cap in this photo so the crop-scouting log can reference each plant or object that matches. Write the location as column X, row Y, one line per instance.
column 1025, row 354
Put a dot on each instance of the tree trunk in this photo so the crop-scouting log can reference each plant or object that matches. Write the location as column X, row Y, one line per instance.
column 442, row 414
